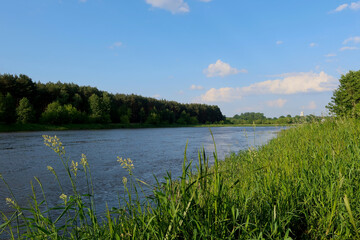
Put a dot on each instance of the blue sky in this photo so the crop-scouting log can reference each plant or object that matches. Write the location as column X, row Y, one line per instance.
column 276, row 57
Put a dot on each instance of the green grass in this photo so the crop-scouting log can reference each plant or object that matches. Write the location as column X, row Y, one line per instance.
column 302, row 185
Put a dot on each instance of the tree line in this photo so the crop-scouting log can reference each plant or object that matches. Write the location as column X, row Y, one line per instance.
column 25, row 101
column 260, row 118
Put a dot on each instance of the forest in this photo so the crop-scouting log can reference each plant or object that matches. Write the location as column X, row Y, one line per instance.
column 24, row 101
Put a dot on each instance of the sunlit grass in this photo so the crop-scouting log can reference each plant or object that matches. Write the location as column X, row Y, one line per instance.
column 302, row 185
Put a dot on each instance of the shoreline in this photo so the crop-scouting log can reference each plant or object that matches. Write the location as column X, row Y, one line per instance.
column 94, row 126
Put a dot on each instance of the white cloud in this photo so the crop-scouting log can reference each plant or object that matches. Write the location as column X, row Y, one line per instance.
column 157, row 96
column 174, row 6
column 348, row 48
column 278, row 103
column 222, row 95
column 330, row 55
column 279, row 42
column 355, row 5
column 292, row 83
column 352, row 6
column 205, row 0
column 341, row 7
column 312, row 44
column 352, row 39
column 311, row 106
column 221, row 69
column 116, row 45
column 289, row 83
column 196, row 87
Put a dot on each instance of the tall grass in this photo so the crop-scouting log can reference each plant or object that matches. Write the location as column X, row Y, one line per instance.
column 302, row 185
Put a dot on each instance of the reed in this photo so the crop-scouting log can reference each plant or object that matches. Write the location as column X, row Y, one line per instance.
column 304, row 184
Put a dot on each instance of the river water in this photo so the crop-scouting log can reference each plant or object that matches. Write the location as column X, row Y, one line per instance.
column 153, row 151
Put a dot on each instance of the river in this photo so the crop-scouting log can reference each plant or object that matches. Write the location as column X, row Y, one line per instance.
column 153, row 151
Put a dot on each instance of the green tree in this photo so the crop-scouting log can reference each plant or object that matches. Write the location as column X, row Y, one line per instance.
column 54, row 114
column 154, row 117
column 346, row 98
column 72, row 115
column 2, row 107
column 100, row 108
column 106, row 107
column 142, row 115
column 95, row 108
column 25, row 111
column 10, row 109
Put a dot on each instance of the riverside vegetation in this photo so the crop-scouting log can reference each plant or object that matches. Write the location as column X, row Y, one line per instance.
column 304, row 184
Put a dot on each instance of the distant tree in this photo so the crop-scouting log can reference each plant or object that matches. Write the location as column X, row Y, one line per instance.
column 10, row 109
column 77, row 100
column 154, row 117
column 250, row 117
column 142, row 115
column 95, row 107
column 72, row 115
column 100, row 108
column 346, row 98
column 2, row 107
column 25, row 111
column 194, row 120
column 54, row 114
column 106, row 107
column 124, row 114
column 184, row 118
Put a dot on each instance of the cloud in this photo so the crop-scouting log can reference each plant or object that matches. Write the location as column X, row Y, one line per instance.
column 330, row 55
column 279, row 42
column 222, row 95
column 157, row 96
column 348, row 48
column 289, row 83
column 116, row 45
column 311, row 106
column 312, row 44
column 352, row 40
column 352, row 6
column 292, row 83
column 278, row 103
column 341, row 7
column 205, row 0
column 174, row 6
column 221, row 69
column 83, row 1
column 194, row 87
column 355, row 5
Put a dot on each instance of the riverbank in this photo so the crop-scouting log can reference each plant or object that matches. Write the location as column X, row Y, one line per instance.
column 302, row 185
column 47, row 127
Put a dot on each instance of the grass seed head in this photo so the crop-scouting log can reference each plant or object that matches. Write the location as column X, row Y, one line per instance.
column 126, row 164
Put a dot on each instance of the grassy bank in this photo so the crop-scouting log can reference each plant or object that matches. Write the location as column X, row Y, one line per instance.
column 95, row 126
column 302, row 185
